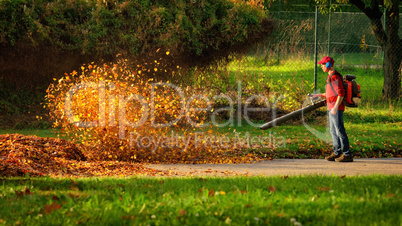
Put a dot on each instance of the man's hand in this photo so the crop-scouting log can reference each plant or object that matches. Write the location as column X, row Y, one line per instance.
column 334, row 111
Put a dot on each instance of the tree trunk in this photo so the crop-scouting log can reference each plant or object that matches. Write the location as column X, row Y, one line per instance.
column 392, row 71
column 392, row 54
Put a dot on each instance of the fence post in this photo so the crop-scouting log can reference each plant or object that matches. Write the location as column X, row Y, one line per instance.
column 383, row 51
column 329, row 28
column 279, row 18
column 315, row 49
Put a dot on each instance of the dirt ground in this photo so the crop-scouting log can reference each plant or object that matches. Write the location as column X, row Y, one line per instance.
column 290, row 167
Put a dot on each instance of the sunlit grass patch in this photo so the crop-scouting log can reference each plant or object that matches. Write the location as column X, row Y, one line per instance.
column 318, row 200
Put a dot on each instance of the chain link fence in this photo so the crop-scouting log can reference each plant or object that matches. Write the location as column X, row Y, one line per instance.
column 346, row 36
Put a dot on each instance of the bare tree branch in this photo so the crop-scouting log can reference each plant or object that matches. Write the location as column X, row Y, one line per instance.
column 372, row 12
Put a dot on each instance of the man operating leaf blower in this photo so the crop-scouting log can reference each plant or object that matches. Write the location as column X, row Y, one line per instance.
column 334, row 94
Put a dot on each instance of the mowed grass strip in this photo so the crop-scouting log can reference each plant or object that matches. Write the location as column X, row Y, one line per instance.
column 281, row 200
column 376, row 139
column 372, row 139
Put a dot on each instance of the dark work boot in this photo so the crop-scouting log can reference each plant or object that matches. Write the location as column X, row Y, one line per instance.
column 332, row 157
column 344, row 158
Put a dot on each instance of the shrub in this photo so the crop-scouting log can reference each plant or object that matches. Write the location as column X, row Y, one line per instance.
column 205, row 30
column 40, row 39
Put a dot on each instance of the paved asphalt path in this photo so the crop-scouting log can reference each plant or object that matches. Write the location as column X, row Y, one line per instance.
column 290, row 167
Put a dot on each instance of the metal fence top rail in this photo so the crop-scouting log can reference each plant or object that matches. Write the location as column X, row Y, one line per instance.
column 344, row 43
column 359, row 13
column 307, row 12
column 326, row 5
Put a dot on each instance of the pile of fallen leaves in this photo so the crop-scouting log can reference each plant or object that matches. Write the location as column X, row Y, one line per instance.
column 37, row 156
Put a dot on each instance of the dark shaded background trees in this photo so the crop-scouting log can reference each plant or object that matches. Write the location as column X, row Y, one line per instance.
column 43, row 39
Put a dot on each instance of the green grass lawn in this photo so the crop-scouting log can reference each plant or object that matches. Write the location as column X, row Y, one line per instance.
column 296, row 200
column 296, row 141
column 31, row 132
column 374, row 129
column 374, row 139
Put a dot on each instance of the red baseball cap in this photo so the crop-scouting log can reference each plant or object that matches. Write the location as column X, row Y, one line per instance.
column 326, row 60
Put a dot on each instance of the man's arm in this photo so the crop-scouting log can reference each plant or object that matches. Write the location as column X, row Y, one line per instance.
column 319, row 95
column 338, row 102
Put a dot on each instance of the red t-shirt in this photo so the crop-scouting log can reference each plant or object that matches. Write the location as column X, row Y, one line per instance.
column 330, row 95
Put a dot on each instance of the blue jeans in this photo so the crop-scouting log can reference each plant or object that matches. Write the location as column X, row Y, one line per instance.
column 339, row 137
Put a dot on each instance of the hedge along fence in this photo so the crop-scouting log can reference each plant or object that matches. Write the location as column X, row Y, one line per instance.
column 195, row 28
column 44, row 39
